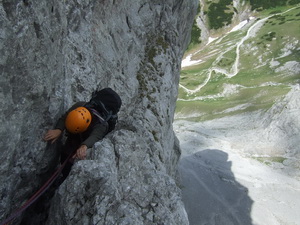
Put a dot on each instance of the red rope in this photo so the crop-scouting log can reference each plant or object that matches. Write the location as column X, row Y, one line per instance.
column 33, row 198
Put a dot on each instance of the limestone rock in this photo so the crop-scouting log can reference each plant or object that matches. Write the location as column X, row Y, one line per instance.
column 54, row 53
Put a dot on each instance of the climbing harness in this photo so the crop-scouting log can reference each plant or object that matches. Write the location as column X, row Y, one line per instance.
column 38, row 194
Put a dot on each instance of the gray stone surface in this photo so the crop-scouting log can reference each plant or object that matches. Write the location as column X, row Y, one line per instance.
column 211, row 193
column 54, row 53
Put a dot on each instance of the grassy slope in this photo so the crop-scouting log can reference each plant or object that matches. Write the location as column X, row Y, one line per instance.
column 259, row 82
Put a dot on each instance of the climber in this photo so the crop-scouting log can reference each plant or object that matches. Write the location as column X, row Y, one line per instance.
column 85, row 123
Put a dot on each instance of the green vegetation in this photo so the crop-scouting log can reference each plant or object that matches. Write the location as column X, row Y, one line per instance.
column 156, row 45
column 262, row 77
column 227, row 59
column 269, row 36
column 271, row 40
column 193, row 81
column 195, row 34
column 245, row 100
column 293, row 2
column 266, row 4
column 270, row 160
column 220, row 13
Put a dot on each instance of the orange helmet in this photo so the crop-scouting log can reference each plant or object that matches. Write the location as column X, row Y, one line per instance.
column 78, row 120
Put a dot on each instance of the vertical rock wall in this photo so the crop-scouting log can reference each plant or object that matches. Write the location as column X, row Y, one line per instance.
column 54, row 53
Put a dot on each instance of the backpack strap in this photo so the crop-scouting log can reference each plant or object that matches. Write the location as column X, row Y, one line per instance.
column 100, row 118
column 97, row 114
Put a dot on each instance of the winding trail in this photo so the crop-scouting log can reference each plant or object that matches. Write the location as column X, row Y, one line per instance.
column 234, row 69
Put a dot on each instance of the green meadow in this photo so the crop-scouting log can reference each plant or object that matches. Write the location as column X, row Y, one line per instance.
column 265, row 69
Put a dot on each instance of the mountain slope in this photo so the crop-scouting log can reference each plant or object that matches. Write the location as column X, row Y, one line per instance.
column 245, row 70
column 238, row 123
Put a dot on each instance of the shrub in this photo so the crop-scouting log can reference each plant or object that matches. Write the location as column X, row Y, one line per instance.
column 218, row 15
column 266, row 4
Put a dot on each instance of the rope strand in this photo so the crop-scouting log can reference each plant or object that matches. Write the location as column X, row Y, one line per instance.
column 38, row 194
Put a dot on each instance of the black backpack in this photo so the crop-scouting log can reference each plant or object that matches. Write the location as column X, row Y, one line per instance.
column 107, row 104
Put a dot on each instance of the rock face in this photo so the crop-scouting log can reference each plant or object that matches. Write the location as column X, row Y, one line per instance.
column 54, row 53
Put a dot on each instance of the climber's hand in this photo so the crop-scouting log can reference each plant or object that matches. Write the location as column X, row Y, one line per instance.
column 52, row 135
column 81, row 152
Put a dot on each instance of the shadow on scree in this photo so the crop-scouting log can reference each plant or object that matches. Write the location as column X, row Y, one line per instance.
column 210, row 193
